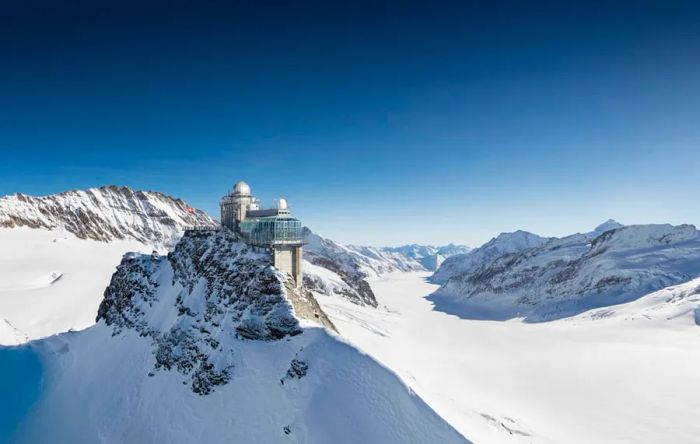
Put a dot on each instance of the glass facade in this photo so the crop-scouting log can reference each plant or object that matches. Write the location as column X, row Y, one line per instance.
column 274, row 230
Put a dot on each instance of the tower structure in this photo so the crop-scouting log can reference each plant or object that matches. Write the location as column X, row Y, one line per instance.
column 236, row 204
column 274, row 230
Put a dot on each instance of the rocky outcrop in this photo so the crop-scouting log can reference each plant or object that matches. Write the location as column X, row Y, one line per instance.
column 105, row 214
column 208, row 287
column 306, row 306
column 348, row 272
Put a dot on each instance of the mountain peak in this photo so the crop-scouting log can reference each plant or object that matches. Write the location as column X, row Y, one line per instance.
column 608, row 225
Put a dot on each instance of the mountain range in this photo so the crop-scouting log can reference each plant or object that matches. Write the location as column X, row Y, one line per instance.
column 105, row 214
column 522, row 275
column 77, row 238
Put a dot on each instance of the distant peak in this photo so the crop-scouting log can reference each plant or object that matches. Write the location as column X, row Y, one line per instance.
column 608, row 225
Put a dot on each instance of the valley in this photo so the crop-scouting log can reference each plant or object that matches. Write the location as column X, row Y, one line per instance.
column 621, row 379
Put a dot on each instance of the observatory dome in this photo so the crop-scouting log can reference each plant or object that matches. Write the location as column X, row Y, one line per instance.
column 241, row 188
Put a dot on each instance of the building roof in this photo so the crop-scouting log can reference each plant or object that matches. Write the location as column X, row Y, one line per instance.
column 266, row 213
column 241, row 188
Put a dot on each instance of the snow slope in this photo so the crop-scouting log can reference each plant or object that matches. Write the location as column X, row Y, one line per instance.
column 204, row 346
column 619, row 379
column 677, row 303
column 10, row 334
column 567, row 276
column 51, row 281
column 58, row 252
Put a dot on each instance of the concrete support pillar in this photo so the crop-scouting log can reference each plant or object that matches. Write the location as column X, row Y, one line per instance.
column 297, row 269
column 288, row 259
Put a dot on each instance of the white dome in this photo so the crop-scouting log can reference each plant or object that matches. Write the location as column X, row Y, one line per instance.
column 282, row 204
column 241, row 188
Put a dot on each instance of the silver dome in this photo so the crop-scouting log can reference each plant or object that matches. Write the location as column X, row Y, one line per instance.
column 241, row 188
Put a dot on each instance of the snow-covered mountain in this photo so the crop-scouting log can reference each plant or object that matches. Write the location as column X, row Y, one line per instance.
column 429, row 256
column 105, row 214
column 205, row 345
column 58, row 252
column 335, row 269
column 566, row 276
column 331, row 268
column 504, row 243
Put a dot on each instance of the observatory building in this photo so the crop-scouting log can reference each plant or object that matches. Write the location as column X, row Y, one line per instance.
column 272, row 229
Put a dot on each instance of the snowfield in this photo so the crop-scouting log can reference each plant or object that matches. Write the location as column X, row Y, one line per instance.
column 624, row 378
column 99, row 386
column 51, row 281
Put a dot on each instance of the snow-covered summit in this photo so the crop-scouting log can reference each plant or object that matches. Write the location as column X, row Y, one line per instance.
column 207, row 344
column 566, row 276
column 504, row 243
column 105, row 214
column 608, row 225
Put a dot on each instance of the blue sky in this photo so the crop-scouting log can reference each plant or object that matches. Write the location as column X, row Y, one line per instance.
column 382, row 122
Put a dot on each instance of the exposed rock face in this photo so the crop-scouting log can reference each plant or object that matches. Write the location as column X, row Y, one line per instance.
column 306, row 306
column 210, row 286
column 105, row 214
column 347, row 276
column 567, row 276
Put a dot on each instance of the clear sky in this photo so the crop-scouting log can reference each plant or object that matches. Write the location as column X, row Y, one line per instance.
column 382, row 122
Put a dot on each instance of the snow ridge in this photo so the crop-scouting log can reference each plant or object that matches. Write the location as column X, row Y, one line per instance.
column 504, row 243
column 105, row 214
